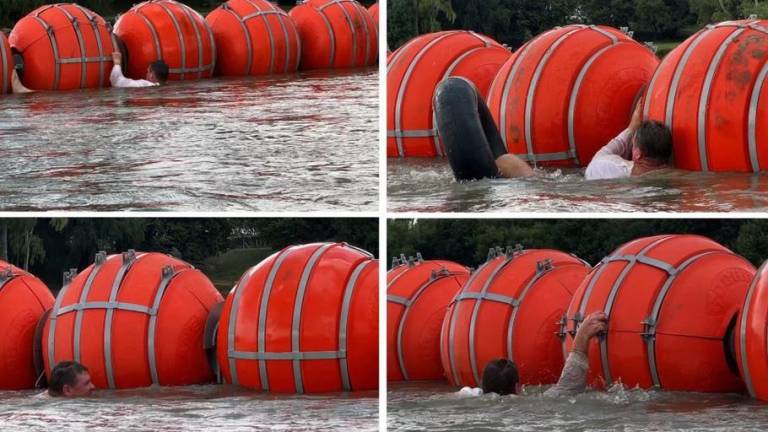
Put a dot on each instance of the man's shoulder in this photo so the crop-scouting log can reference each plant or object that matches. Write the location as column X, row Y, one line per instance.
column 608, row 167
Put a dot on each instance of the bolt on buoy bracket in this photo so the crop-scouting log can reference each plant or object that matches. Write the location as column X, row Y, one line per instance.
column 576, row 320
column 544, row 266
column 649, row 329
column 69, row 275
column 562, row 325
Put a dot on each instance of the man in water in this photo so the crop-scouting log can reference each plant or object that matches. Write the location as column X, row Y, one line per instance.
column 70, row 379
column 500, row 376
column 157, row 73
column 643, row 147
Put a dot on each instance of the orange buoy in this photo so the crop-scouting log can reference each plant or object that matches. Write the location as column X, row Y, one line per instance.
column 374, row 11
column 304, row 320
column 170, row 31
column 23, row 301
column 418, row 293
column 670, row 302
column 6, row 65
column 413, row 72
column 254, row 37
column 711, row 91
column 64, row 47
column 568, row 92
column 509, row 308
column 751, row 337
column 335, row 34
column 133, row 319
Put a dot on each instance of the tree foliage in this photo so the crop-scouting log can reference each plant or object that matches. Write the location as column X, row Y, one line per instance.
column 468, row 241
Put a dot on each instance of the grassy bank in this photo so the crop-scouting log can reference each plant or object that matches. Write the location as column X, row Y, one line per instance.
column 224, row 270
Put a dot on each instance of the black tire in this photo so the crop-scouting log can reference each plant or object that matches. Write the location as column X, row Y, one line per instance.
column 466, row 128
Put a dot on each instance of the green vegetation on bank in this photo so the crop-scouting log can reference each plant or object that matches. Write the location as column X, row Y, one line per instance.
column 13, row 10
column 225, row 246
column 513, row 22
column 467, row 241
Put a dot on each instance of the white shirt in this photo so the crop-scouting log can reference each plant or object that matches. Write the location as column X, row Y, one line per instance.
column 119, row 80
column 613, row 160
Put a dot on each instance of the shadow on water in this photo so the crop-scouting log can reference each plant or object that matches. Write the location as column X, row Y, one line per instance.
column 428, row 185
column 438, row 407
column 194, row 408
column 297, row 142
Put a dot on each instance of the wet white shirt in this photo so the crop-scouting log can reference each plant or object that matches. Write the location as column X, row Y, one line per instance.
column 613, row 160
column 119, row 80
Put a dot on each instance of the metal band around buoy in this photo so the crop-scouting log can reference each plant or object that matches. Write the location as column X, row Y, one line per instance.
column 80, row 41
column 407, row 303
column 92, row 18
column 746, row 374
column 168, row 273
column 401, row 91
column 98, row 261
column 237, row 290
column 452, row 330
column 577, row 87
column 632, row 260
column 6, row 276
column 345, row 310
column 485, row 295
column 752, row 123
column 248, row 43
column 652, row 321
column 4, row 64
column 68, row 276
column 180, row 35
column 509, row 80
column 532, row 157
column 340, row 3
column 54, row 47
column 704, row 100
column 153, row 31
column 191, row 17
column 673, row 86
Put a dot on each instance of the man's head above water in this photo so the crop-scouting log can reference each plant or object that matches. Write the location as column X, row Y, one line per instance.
column 70, row 379
column 652, row 143
column 500, row 376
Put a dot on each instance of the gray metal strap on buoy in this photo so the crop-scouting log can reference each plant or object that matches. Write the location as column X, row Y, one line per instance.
column 4, row 60
column 746, row 374
column 352, row 28
column 66, row 281
column 190, row 16
column 6, row 276
column 182, row 44
column 98, row 261
column 93, row 19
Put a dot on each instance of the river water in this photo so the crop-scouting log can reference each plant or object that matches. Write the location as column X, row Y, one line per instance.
column 427, row 185
column 300, row 142
column 438, row 407
column 192, row 408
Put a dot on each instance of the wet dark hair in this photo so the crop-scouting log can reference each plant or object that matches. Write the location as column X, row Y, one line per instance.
column 500, row 376
column 160, row 68
column 654, row 139
column 64, row 373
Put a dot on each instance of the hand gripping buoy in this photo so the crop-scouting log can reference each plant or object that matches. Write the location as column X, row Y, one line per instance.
column 413, row 73
column 23, row 300
column 509, row 308
column 568, row 92
column 64, row 47
column 170, row 31
column 304, row 320
column 6, row 65
column 711, row 91
column 418, row 293
column 254, row 37
column 751, row 337
column 335, row 34
column 133, row 319
column 671, row 301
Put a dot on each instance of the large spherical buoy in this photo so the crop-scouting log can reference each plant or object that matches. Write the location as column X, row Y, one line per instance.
column 23, row 301
column 170, row 31
column 254, row 37
column 335, row 34
column 509, row 308
column 6, row 65
column 64, row 47
column 711, row 91
column 374, row 11
column 418, row 293
column 568, row 92
column 133, row 320
column 671, row 300
column 304, row 320
column 751, row 337
column 413, row 72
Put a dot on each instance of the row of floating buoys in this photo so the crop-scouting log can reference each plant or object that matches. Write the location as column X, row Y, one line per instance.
column 414, row 71
column 66, row 46
column 568, row 91
column 304, row 320
column 711, row 91
column 684, row 313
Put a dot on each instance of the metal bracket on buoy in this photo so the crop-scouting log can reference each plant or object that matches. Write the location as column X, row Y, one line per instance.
column 652, row 46
column 649, row 329
column 544, row 266
column 576, row 320
column 753, row 17
column 100, row 257
column 627, row 31
column 129, row 256
column 69, row 275
column 563, row 324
